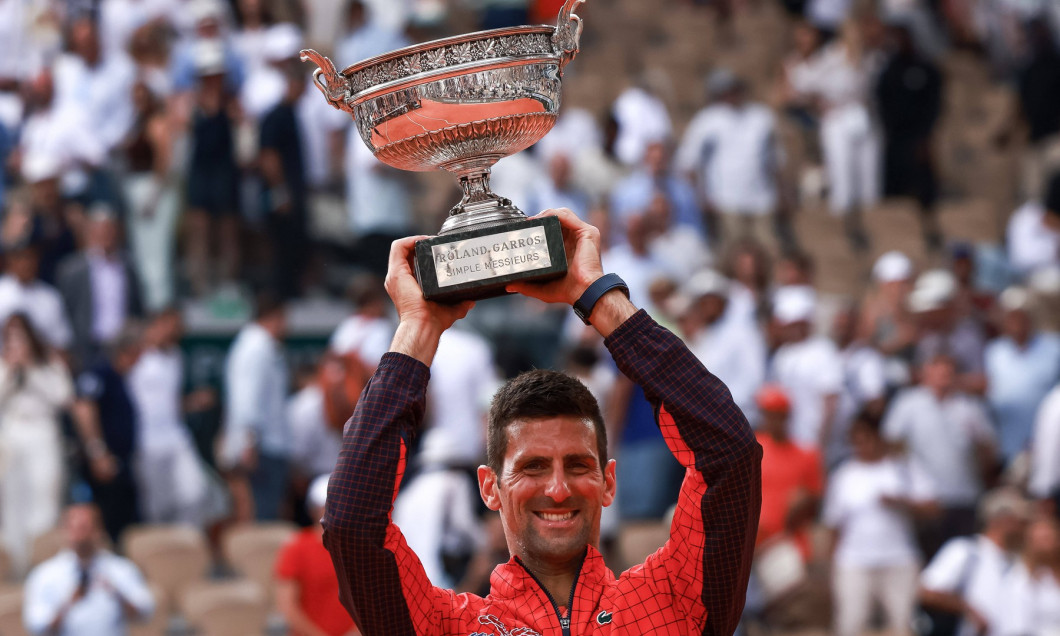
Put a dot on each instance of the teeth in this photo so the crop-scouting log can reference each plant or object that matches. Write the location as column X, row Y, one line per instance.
column 556, row 517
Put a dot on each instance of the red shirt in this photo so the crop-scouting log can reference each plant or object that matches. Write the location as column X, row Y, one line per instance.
column 787, row 469
column 695, row 584
column 305, row 561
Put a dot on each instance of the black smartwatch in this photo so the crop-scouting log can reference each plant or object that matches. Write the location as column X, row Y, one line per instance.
column 583, row 308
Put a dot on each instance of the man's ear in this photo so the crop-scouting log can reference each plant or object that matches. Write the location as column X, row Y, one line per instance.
column 489, row 488
column 609, row 482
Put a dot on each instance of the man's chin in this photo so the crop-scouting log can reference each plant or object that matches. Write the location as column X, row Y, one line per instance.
column 559, row 549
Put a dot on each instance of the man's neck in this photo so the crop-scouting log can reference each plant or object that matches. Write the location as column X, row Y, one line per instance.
column 557, row 578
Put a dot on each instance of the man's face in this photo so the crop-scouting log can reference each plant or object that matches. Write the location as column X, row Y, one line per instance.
column 939, row 375
column 551, row 489
column 1017, row 324
column 23, row 264
column 1012, row 529
column 82, row 530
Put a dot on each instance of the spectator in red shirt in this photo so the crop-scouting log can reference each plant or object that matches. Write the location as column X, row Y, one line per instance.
column 307, row 590
column 792, row 477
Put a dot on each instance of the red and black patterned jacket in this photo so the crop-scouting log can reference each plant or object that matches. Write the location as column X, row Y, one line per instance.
column 695, row 584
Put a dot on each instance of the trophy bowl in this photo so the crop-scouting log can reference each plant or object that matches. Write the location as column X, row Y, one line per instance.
column 460, row 104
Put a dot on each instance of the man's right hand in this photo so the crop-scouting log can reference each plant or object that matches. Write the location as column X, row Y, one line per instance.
column 420, row 322
column 583, row 246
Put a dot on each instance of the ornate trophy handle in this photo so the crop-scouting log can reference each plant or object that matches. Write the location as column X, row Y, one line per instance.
column 567, row 38
column 332, row 84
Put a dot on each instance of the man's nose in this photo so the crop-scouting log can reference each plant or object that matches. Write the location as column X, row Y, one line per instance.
column 557, row 488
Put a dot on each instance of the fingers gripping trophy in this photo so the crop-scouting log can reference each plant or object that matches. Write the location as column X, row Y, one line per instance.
column 461, row 104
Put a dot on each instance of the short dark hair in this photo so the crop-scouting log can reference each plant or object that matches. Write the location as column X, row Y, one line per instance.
column 540, row 394
column 1052, row 195
column 869, row 419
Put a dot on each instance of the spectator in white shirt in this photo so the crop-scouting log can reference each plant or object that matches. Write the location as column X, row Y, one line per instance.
column 256, row 438
column 1034, row 233
column 85, row 590
column 949, row 433
column 35, row 387
column 315, row 443
column 807, row 366
column 171, row 479
column 464, row 379
column 886, row 322
column 963, row 584
column 735, row 351
column 1044, row 481
column 1031, row 593
column 1021, row 367
column 21, row 291
column 642, row 117
column 368, row 331
column 943, row 330
column 58, row 139
column 101, row 86
column 437, row 509
column 730, row 148
column 870, row 506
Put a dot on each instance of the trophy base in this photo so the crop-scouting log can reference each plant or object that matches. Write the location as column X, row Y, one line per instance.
column 478, row 263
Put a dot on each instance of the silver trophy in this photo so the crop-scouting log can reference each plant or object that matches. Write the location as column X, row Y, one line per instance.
column 461, row 104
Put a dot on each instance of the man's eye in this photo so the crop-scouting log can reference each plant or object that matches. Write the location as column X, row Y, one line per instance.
column 533, row 466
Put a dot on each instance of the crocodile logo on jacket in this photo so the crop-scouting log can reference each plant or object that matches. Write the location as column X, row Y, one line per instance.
column 489, row 619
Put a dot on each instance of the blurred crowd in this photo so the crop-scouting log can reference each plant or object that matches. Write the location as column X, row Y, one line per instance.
column 161, row 154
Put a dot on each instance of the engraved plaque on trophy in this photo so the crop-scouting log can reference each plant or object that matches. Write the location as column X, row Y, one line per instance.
column 461, row 104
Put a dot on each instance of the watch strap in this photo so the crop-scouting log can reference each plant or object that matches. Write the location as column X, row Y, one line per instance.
column 583, row 308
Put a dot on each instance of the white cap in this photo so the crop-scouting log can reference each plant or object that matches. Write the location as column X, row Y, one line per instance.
column 1046, row 280
column 794, row 303
column 707, row 282
column 1004, row 501
column 892, row 267
column 440, row 448
column 933, row 289
column 282, row 42
column 678, row 304
column 41, row 166
column 317, row 494
column 209, row 57
column 202, row 10
column 1015, row 299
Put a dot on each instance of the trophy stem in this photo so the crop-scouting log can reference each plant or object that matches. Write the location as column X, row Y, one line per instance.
column 479, row 207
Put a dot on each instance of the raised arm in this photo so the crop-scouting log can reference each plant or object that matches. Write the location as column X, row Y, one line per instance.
column 708, row 557
column 706, row 563
column 382, row 583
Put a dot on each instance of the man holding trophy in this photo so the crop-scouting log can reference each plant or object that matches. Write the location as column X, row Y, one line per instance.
column 461, row 104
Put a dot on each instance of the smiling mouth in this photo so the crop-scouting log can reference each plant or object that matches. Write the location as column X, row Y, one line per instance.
column 557, row 516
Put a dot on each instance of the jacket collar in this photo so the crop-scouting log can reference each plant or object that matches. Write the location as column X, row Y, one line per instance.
column 511, row 580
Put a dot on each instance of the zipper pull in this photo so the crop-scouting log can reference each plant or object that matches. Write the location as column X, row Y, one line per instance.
column 564, row 622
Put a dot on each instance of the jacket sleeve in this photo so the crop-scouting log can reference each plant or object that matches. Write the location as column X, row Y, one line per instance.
column 706, row 563
column 381, row 581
